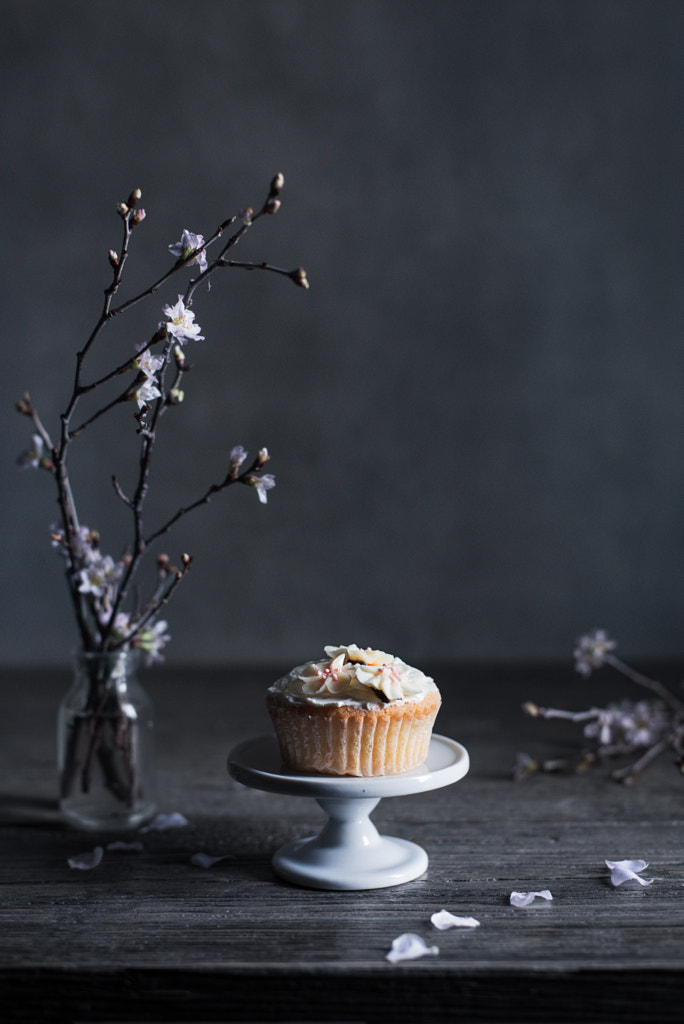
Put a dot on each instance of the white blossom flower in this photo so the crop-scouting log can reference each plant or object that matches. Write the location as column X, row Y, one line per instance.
column 121, row 626
column 189, row 243
column 591, row 651
column 627, row 871
column 409, row 947
column 637, row 724
column 181, row 323
column 644, row 724
column 149, row 363
column 152, row 640
column 99, row 576
column 264, row 484
column 147, row 392
column 86, row 543
column 33, row 456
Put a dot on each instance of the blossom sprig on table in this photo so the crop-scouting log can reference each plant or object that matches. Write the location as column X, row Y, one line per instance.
column 100, row 584
column 641, row 729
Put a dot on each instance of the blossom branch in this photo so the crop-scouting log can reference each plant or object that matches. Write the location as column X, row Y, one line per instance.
column 246, row 477
column 123, row 397
column 630, row 774
column 535, row 711
column 117, row 487
column 26, row 407
column 155, row 605
column 180, row 263
column 650, row 684
column 122, row 367
column 130, row 218
column 619, row 729
column 136, row 505
column 298, row 275
column 270, row 206
column 98, row 585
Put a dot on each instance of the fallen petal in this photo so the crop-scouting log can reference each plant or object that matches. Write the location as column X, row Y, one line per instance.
column 203, row 860
column 523, row 899
column 120, row 845
column 443, row 920
column 409, row 947
column 626, row 871
column 87, row 861
column 164, row 821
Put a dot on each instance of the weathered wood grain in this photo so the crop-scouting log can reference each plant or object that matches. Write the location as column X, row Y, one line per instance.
column 149, row 936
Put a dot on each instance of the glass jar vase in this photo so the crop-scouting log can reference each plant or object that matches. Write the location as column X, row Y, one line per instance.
column 105, row 745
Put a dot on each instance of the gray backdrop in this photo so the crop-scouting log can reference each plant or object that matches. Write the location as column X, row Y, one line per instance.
column 475, row 415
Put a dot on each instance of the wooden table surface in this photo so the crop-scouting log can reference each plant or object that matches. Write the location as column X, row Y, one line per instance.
column 150, row 936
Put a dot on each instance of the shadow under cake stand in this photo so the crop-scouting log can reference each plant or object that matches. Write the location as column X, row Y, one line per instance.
column 349, row 853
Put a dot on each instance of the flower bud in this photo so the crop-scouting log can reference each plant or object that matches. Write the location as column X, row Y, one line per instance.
column 186, row 559
column 246, row 215
column 299, row 277
column 262, row 456
column 237, row 457
column 24, row 405
column 137, row 216
column 272, row 205
column 277, row 184
column 122, row 210
column 113, row 258
column 134, row 198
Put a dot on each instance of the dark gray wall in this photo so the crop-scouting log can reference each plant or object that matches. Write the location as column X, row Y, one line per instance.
column 475, row 414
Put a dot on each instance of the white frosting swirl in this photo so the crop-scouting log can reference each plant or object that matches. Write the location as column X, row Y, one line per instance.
column 351, row 674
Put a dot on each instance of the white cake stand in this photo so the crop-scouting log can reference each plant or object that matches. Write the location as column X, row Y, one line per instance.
column 349, row 853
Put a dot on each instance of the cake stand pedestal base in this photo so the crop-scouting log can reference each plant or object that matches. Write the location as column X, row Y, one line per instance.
column 349, row 853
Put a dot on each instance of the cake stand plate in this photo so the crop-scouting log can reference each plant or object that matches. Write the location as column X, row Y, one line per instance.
column 349, row 853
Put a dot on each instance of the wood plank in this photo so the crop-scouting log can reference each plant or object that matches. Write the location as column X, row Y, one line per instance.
column 150, row 936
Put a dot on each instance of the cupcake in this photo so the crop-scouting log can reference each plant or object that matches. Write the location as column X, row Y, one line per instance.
column 356, row 712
